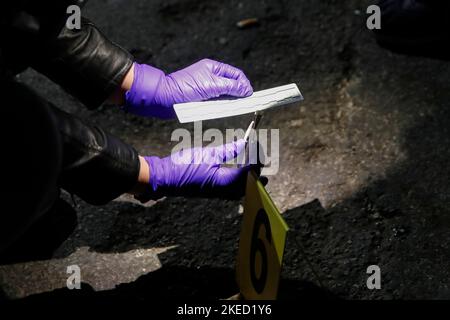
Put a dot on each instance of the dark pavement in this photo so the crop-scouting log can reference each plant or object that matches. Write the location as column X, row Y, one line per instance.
column 363, row 171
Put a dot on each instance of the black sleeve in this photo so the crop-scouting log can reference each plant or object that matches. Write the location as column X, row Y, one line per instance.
column 96, row 166
column 85, row 63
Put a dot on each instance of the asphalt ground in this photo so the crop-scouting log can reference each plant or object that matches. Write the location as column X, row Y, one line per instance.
column 363, row 176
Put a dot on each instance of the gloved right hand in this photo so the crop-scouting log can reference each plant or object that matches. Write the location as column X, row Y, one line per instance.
column 153, row 93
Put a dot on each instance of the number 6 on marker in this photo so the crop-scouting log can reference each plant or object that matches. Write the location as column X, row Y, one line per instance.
column 259, row 277
column 261, row 244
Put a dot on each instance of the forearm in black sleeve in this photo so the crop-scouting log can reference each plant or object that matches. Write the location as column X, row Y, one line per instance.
column 96, row 166
column 85, row 63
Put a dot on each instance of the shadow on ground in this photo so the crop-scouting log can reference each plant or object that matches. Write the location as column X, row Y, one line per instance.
column 174, row 283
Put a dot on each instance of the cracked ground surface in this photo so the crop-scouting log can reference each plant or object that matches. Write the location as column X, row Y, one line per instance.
column 363, row 173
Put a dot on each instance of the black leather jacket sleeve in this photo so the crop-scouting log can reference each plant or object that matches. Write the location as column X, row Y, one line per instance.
column 96, row 166
column 85, row 63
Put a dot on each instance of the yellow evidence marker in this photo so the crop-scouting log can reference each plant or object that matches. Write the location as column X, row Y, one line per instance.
column 261, row 244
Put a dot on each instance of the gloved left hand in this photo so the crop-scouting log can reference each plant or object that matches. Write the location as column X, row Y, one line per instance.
column 153, row 93
column 198, row 172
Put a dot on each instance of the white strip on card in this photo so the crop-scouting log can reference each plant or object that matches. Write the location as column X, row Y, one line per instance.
column 260, row 100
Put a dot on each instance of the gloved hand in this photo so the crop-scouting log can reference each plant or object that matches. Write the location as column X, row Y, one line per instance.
column 198, row 172
column 153, row 93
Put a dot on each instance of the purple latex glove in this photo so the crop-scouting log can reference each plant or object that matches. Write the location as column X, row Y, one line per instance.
column 153, row 93
column 198, row 172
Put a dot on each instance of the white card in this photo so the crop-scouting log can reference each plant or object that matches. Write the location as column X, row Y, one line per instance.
column 260, row 100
